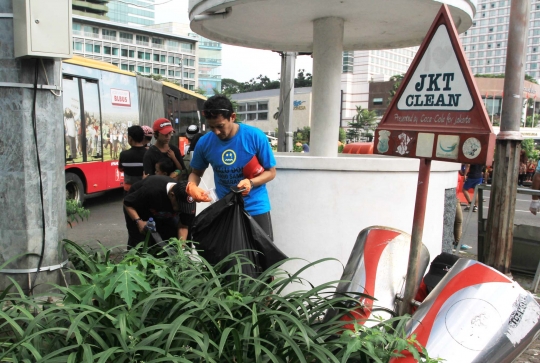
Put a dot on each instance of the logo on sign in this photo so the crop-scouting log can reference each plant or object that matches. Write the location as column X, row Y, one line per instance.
column 438, row 82
column 120, row 97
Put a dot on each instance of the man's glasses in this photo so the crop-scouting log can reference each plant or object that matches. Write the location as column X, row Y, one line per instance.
column 214, row 112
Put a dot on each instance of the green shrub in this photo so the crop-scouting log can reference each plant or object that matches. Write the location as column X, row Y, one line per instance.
column 75, row 211
column 147, row 308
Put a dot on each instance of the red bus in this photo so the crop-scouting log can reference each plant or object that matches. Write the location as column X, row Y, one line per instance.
column 100, row 102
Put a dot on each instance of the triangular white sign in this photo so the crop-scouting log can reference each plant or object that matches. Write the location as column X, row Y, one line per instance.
column 438, row 82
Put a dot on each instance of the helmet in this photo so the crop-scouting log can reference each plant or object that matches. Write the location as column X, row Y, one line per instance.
column 191, row 131
column 148, row 131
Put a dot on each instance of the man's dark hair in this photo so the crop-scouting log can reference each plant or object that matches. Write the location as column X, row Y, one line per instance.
column 166, row 165
column 218, row 105
column 136, row 132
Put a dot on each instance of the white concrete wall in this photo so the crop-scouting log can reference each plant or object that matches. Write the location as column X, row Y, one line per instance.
column 320, row 204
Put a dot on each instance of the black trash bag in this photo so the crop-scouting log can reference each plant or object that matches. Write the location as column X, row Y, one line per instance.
column 225, row 227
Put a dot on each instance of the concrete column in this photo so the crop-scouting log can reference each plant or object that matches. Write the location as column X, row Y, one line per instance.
column 286, row 99
column 327, row 68
column 21, row 226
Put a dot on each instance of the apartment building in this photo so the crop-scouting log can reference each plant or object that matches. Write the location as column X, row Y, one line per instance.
column 96, row 9
column 132, row 12
column 138, row 49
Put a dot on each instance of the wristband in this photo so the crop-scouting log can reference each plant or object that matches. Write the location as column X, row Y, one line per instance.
column 251, row 182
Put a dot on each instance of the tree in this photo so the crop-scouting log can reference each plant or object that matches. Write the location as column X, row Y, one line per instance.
column 397, row 79
column 530, row 149
column 342, row 135
column 364, row 122
column 200, row 91
column 302, row 80
column 302, row 135
column 261, row 83
column 530, row 122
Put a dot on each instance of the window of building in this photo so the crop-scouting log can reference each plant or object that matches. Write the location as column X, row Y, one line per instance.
column 170, row 60
column 91, row 31
column 142, row 39
column 171, row 73
column 378, row 101
column 156, row 70
column 490, row 30
column 163, row 58
column 162, row 72
column 78, row 46
column 132, row 68
column 241, row 117
column 115, row 51
column 191, row 87
column 251, row 116
column 263, row 106
column 252, row 107
column 106, row 50
column 126, row 37
column 262, row 116
column 241, row 107
column 147, row 69
column 124, row 67
column 192, row 75
column 97, row 48
column 115, row 64
column 109, row 34
column 131, row 54
column 140, row 55
column 89, row 48
column 156, row 57
column 76, row 26
column 177, row 73
column 147, row 56
column 173, row 44
column 157, row 41
column 140, row 69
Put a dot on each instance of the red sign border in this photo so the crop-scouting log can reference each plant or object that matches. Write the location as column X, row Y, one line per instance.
column 443, row 17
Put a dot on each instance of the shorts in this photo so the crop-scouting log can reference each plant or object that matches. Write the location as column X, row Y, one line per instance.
column 471, row 183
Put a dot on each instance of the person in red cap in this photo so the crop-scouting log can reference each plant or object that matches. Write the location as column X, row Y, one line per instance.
column 163, row 132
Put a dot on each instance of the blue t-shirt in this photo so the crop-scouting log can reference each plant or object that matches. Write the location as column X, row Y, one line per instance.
column 228, row 158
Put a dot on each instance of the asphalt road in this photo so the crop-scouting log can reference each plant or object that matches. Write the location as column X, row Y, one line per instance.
column 106, row 223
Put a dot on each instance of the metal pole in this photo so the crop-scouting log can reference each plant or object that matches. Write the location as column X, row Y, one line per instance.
column 286, row 99
column 492, row 107
column 412, row 282
column 500, row 226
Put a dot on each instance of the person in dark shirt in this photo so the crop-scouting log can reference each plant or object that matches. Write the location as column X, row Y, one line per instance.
column 163, row 199
column 474, row 176
column 163, row 132
column 131, row 161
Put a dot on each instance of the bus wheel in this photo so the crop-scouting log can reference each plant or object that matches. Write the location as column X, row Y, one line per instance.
column 74, row 187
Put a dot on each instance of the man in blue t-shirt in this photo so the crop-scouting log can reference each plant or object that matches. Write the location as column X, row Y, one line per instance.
column 229, row 148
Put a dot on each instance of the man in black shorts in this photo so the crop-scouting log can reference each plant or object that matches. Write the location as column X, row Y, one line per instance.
column 163, row 199
column 474, row 174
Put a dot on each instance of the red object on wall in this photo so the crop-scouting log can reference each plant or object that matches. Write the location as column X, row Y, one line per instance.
column 358, row 148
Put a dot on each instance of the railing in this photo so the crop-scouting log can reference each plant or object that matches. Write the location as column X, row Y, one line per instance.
column 158, row 46
column 125, row 40
column 77, row 32
column 209, row 76
column 91, row 35
column 140, row 42
column 210, row 60
column 109, row 37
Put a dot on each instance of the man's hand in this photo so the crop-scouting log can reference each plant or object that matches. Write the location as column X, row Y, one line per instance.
column 245, row 184
column 198, row 194
column 535, row 206
column 171, row 155
column 141, row 225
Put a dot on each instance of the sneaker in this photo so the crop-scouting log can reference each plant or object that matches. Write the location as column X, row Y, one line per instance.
column 475, row 209
column 467, row 208
column 465, row 247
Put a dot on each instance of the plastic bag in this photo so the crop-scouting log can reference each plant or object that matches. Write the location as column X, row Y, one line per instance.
column 225, row 227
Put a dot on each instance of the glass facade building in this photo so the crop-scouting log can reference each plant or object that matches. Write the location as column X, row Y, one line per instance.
column 133, row 12
column 209, row 64
column 485, row 43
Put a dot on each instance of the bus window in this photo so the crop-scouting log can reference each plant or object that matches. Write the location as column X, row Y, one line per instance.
column 72, row 119
column 92, row 119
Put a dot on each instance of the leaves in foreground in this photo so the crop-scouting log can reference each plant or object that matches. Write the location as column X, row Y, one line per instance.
column 151, row 307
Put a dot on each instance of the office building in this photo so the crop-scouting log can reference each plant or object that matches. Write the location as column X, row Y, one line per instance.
column 137, row 49
column 361, row 67
column 209, row 56
column 132, row 12
column 96, row 9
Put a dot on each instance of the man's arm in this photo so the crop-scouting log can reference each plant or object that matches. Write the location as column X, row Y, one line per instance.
column 132, row 213
column 266, row 176
column 195, row 176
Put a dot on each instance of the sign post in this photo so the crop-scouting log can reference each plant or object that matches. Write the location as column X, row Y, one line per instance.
column 437, row 114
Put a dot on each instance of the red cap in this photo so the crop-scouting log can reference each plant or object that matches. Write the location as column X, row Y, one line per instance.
column 163, row 126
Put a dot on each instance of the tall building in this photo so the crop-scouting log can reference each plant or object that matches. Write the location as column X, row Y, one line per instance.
column 209, row 64
column 361, row 67
column 137, row 49
column 96, row 9
column 132, row 12
column 209, row 56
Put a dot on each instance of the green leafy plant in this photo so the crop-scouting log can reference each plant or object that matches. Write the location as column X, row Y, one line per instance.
column 75, row 211
column 155, row 307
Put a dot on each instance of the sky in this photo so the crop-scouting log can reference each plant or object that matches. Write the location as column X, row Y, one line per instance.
column 239, row 63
